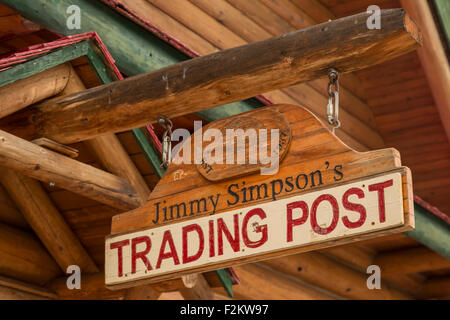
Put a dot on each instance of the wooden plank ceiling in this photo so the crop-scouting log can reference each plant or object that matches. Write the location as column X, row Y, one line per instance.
column 389, row 105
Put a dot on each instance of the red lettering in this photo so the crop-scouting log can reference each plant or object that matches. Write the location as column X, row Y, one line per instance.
column 167, row 239
column 295, row 222
column 190, row 228
column 222, row 229
column 379, row 187
column 212, row 251
column 354, row 207
column 334, row 204
column 119, row 245
column 259, row 229
column 140, row 255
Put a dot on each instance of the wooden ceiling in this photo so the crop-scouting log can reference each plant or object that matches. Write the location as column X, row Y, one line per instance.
column 389, row 105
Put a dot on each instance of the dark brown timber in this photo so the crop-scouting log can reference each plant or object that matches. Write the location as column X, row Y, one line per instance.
column 345, row 44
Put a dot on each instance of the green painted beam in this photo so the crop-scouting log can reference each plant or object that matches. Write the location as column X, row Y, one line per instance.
column 443, row 12
column 225, row 278
column 39, row 64
column 431, row 231
column 149, row 152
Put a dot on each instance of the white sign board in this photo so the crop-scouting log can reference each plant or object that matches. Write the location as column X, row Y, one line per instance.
column 251, row 233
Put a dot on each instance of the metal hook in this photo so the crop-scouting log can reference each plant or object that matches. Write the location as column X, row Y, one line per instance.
column 167, row 140
column 333, row 100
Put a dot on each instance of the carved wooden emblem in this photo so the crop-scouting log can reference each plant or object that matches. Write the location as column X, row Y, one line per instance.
column 263, row 119
column 323, row 194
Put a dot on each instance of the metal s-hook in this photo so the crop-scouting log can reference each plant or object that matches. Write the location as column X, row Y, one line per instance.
column 167, row 140
column 333, row 99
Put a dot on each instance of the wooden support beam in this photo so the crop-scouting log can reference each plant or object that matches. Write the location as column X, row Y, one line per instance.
column 197, row 290
column 209, row 81
column 312, row 95
column 23, row 257
column 93, row 287
column 109, row 151
column 26, row 287
column 262, row 283
column 344, row 281
column 433, row 58
column 146, row 292
column 9, row 214
column 112, row 155
column 46, row 221
column 409, row 261
column 359, row 258
column 51, row 167
column 435, row 288
column 7, row 293
column 25, row 92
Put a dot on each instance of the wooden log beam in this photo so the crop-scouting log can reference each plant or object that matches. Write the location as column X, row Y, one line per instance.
column 23, row 257
column 201, row 83
column 7, row 293
column 25, row 92
column 343, row 281
column 146, row 292
column 109, row 151
column 46, row 221
column 359, row 258
column 9, row 214
column 262, row 283
column 198, row 289
column 48, row 166
column 27, row 288
column 93, row 287
column 436, row 287
column 409, row 261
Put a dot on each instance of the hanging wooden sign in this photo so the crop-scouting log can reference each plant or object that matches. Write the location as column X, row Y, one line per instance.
column 201, row 217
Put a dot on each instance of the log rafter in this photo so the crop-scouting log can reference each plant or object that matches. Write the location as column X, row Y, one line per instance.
column 209, row 81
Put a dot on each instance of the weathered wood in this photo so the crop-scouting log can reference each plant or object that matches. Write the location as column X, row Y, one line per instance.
column 360, row 257
column 57, row 147
column 142, row 293
column 9, row 214
column 46, row 221
column 23, row 257
column 199, row 290
column 263, row 283
column 304, row 155
column 264, row 119
column 111, row 154
column 26, row 287
column 51, row 167
column 209, row 81
column 409, row 261
column 312, row 149
column 25, row 92
column 109, row 151
column 435, row 287
column 7, row 293
column 342, row 280
column 93, row 287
